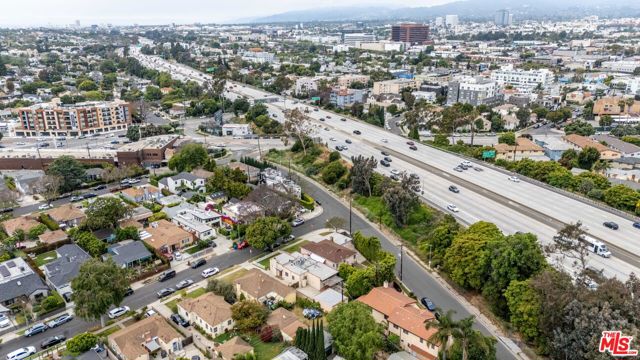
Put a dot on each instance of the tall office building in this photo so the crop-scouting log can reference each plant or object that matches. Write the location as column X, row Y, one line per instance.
column 439, row 21
column 503, row 18
column 410, row 33
column 451, row 20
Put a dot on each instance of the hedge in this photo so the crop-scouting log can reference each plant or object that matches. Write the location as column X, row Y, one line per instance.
column 48, row 221
column 81, row 343
column 307, row 201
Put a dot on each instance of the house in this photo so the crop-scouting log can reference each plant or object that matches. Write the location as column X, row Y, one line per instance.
column 94, row 174
column 209, row 311
column 286, row 321
column 330, row 298
column 184, row 180
column 145, row 340
column 51, row 237
column 581, row 142
column 275, row 180
column 66, row 216
column 292, row 353
column 18, row 282
column 169, row 200
column 613, row 106
column 128, row 253
column 238, row 211
column 625, row 148
column 194, row 220
column 142, row 193
column 259, row 286
column 138, row 213
column 61, row 271
column 232, row 347
column 400, row 315
column 553, row 146
column 329, row 253
column 165, row 236
column 301, row 271
column 252, row 172
column 24, row 223
column 524, row 149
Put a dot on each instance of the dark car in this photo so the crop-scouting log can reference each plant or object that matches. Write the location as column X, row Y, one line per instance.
column 454, row 189
column 198, row 263
column 89, row 195
column 100, row 187
column 384, row 153
column 357, row 132
column 413, row 147
column 410, row 143
column 428, row 304
column 54, row 340
column 165, row 292
column 387, row 159
column 395, row 177
column 343, row 119
column 129, row 292
column 611, row 225
column 179, row 320
column 348, row 141
column 167, row 275
column 384, row 163
column 636, row 225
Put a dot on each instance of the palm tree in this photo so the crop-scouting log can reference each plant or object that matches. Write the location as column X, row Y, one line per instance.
column 601, row 166
column 622, row 104
column 464, row 333
column 446, row 328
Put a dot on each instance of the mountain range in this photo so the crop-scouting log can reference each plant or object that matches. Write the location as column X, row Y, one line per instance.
column 469, row 9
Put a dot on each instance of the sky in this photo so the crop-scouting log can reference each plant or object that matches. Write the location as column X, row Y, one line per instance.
column 126, row 12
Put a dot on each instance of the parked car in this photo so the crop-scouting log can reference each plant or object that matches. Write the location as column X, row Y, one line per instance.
column 4, row 321
column 62, row 319
column 45, row 206
column 150, row 313
column 179, row 320
column 297, row 222
column 165, row 292
column 117, row 312
column 198, row 263
column 452, row 208
column 428, row 304
column 209, row 272
column 54, row 340
column 454, row 189
column 21, row 353
column 611, row 225
column 242, row 244
column 128, row 292
column 177, row 255
column 89, row 195
column 288, row 238
column 36, row 329
column 184, row 283
column 167, row 275
column 311, row 313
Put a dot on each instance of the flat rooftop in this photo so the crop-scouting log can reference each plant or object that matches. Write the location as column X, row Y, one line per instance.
column 154, row 142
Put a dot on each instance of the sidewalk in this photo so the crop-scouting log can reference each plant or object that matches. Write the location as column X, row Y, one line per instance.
column 18, row 331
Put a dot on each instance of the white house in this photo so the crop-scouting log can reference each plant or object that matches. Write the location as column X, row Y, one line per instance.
column 184, row 180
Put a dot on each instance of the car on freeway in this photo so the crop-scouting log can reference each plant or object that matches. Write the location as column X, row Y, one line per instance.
column 413, row 147
column 348, row 141
column 297, row 222
column 210, row 272
column 343, row 119
column 395, row 172
column 117, row 312
column 611, row 225
column 4, row 321
column 636, row 224
column 514, row 179
column 54, row 340
column 21, row 353
column 452, row 208
column 357, row 132
column 36, row 329
column 179, row 320
column 410, row 143
column 387, row 159
column 184, row 283
column 332, row 139
column 45, row 206
column 21, row 143
column 478, row 169
column 458, row 169
column 454, row 189
column 321, row 119
column 428, row 304
column 384, row 153
column 467, row 163
column 196, row 264
column 62, row 319
column 165, row 292
column 326, row 129
column 384, row 163
column 384, row 141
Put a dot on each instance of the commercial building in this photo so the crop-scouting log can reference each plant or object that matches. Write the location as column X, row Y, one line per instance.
column 503, row 18
column 474, row 91
column 522, row 79
column 626, row 66
column 259, row 56
column 394, row 86
column 236, row 129
column 451, row 21
column 353, row 39
column 147, row 151
column 55, row 119
column 410, row 33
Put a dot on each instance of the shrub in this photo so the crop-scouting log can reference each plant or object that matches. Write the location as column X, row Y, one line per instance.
column 157, row 216
column 51, row 302
column 334, row 156
column 305, row 303
column 333, row 172
column 48, row 222
column 82, row 342
column 36, row 231
column 307, row 202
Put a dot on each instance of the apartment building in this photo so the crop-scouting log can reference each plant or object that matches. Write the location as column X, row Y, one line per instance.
column 410, row 33
column 355, row 38
column 345, row 81
column 474, row 91
column 580, row 143
column 394, row 86
column 55, row 119
column 522, row 79
column 308, row 84
column 626, row 66
column 342, row 97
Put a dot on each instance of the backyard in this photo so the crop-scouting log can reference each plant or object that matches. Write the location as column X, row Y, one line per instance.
column 45, row 258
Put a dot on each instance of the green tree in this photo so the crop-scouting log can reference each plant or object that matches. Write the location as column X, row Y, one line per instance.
column 523, row 115
column 605, row 120
column 361, row 174
column 356, row 335
column 333, row 172
column 70, row 170
column 524, row 308
column 445, row 328
column 133, row 133
column 569, row 159
column 98, row 286
column 435, row 245
column 587, row 157
column 368, row 246
column 249, row 315
column 622, row 197
column 152, row 93
column 87, row 85
column 360, row 281
column 263, row 232
column 106, row 212
column 36, row 231
column 89, row 242
column 188, row 158
column 82, row 343
column 508, row 138
column 579, row 127
column 400, row 201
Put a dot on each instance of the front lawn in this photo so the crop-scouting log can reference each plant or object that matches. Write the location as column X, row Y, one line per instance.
column 265, row 262
column 296, row 247
column 45, row 258
column 173, row 304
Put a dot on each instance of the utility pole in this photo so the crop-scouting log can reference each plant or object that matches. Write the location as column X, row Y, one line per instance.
column 401, row 258
column 429, row 256
column 350, row 217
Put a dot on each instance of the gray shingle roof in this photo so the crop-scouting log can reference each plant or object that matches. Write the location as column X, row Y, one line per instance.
column 24, row 286
column 66, row 267
column 125, row 253
column 186, row 176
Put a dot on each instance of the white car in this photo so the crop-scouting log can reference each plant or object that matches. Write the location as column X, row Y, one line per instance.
column 452, row 208
column 395, row 172
column 210, row 272
column 45, row 206
column 514, row 179
column 21, row 143
column 117, row 312
column 297, row 222
column 4, row 321
column 177, row 255
column 21, row 353
column 333, row 139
